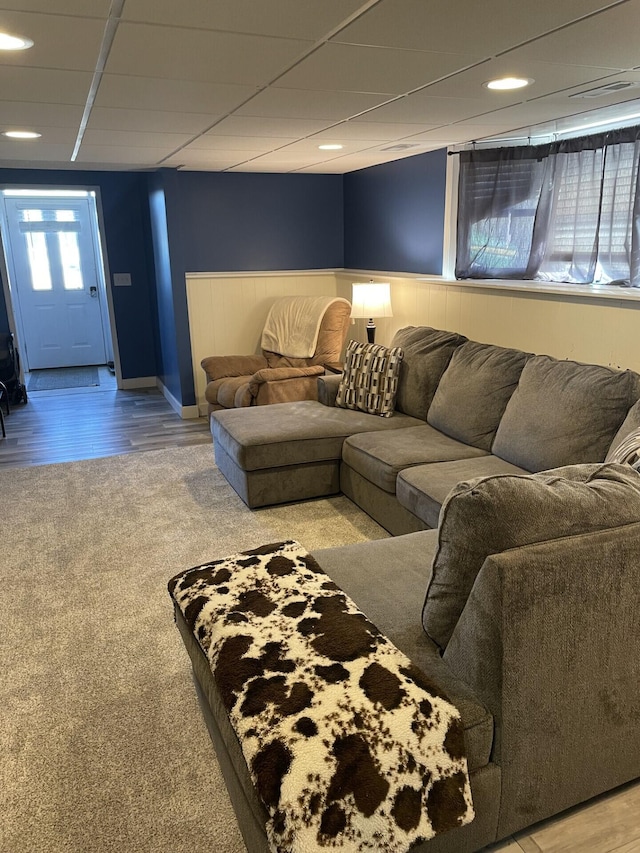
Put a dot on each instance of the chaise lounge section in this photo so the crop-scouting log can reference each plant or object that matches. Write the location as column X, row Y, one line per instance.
column 520, row 609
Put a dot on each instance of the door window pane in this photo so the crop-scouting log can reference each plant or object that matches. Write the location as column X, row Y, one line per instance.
column 37, row 252
column 69, row 252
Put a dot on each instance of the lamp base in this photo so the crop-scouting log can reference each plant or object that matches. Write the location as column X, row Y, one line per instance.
column 371, row 331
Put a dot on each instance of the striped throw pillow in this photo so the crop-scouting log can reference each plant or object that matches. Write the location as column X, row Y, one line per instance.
column 628, row 451
column 370, row 378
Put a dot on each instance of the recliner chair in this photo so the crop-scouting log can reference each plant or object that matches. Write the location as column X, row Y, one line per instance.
column 301, row 335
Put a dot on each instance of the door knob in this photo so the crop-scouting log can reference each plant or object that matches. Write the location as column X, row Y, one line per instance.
column 93, row 292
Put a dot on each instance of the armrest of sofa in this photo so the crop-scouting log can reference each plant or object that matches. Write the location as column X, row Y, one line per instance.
column 328, row 388
column 222, row 366
column 548, row 640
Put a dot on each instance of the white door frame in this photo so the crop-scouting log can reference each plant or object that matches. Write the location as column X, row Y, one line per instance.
column 8, row 272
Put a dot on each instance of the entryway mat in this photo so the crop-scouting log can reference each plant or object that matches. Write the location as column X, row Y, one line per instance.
column 63, row 377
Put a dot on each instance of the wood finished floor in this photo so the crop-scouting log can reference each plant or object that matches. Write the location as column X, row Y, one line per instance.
column 61, row 426
column 85, row 423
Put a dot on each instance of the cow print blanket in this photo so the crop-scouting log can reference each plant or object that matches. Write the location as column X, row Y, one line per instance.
column 349, row 746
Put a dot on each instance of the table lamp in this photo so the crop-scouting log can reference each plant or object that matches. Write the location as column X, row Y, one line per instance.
column 369, row 300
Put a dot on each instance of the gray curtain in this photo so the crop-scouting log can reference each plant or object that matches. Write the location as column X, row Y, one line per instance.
column 564, row 212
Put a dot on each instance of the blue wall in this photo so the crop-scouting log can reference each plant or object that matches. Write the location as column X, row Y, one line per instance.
column 394, row 215
column 128, row 248
column 166, row 344
column 241, row 221
column 221, row 222
column 164, row 224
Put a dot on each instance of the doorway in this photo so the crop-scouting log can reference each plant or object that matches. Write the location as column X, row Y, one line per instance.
column 57, row 280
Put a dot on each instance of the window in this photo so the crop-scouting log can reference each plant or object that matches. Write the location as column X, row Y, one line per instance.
column 563, row 212
column 40, row 227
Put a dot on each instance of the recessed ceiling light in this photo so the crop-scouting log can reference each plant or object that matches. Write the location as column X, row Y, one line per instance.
column 504, row 83
column 21, row 134
column 9, row 42
column 330, row 147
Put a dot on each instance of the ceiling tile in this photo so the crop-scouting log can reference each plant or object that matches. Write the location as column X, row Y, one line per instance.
column 495, row 25
column 150, row 121
column 299, row 104
column 262, row 168
column 57, row 154
column 212, row 57
column 120, row 154
column 332, row 168
column 367, row 130
column 306, row 147
column 214, row 160
column 59, row 41
column 168, row 142
column 349, row 68
column 303, row 19
column 37, row 85
column 277, row 161
column 238, row 125
column 39, row 115
column 422, row 108
column 147, row 93
column 457, row 133
column 80, row 8
column 353, row 162
column 522, row 114
column 213, row 141
column 614, row 31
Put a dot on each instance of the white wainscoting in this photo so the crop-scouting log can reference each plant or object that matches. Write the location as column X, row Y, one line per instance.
column 227, row 311
column 588, row 327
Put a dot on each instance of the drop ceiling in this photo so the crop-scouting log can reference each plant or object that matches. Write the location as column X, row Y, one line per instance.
column 258, row 85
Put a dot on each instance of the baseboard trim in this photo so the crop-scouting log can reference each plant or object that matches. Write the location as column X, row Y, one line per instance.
column 185, row 412
column 138, row 382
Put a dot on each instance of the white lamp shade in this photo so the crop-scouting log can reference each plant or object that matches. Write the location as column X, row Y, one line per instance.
column 371, row 299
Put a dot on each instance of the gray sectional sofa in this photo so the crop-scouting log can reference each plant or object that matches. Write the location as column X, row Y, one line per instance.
column 463, row 409
column 512, row 580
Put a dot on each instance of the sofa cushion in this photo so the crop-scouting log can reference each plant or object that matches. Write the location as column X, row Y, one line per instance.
column 474, row 390
column 370, row 378
column 423, row 489
column 427, row 353
column 563, row 413
column 379, row 459
column 288, row 434
column 492, row 514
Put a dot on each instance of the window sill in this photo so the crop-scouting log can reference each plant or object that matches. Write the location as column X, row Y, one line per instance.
column 577, row 291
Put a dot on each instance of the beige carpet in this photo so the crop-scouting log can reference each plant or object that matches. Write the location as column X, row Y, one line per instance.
column 103, row 747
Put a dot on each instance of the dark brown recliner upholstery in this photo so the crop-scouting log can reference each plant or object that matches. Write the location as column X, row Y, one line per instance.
column 280, row 377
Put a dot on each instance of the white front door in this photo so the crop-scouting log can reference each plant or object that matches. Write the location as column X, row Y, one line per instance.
column 56, row 281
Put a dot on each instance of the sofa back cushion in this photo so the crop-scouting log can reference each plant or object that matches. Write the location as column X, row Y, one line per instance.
column 563, row 413
column 427, row 353
column 489, row 515
column 474, row 390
